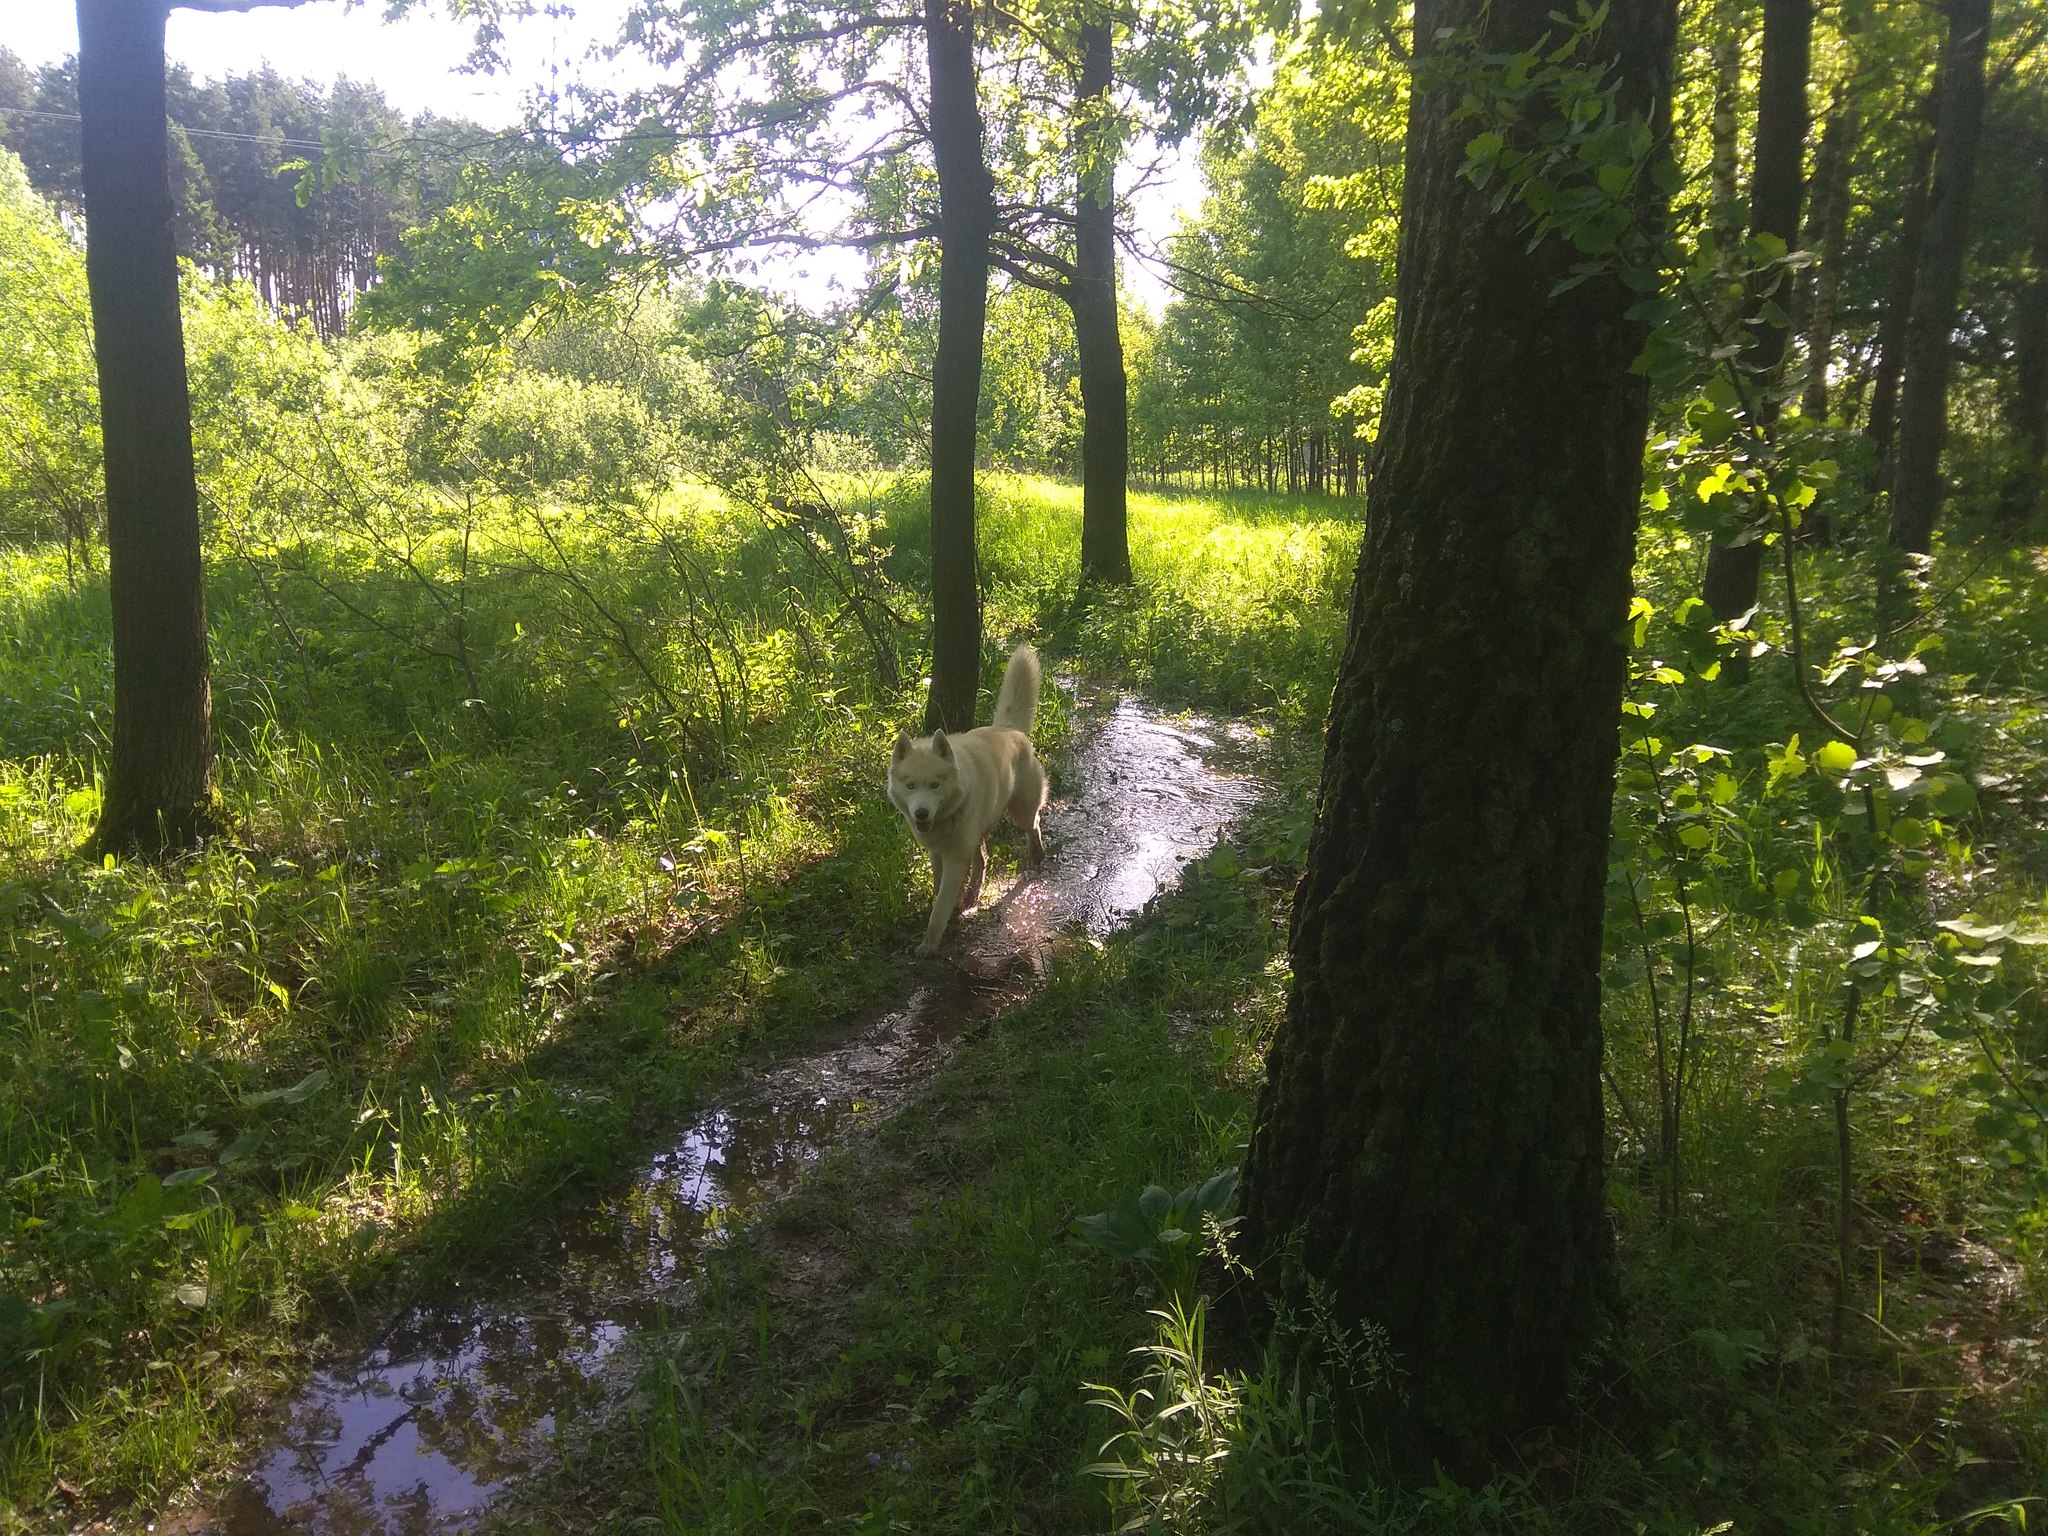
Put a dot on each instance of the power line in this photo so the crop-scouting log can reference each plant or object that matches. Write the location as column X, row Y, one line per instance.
column 197, row 133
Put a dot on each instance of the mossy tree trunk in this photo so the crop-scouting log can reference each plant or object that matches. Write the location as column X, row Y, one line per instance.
column 160, row 777
column 1429, row 1141
column 966, row 221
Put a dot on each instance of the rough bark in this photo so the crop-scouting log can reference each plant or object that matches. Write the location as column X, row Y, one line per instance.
column 1105, row 402
column 2020, row 497
column 1923, row 390
column 1429, row 1139
column 1777, row 185
column 159, row 785
column 966, row 220
column 1828, row 230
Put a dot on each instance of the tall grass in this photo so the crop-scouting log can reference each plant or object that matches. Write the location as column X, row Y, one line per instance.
column 487, row 915
column 1237, row 600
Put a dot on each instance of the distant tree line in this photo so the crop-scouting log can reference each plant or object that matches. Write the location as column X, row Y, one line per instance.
column 1267, row 369
column 240, row 149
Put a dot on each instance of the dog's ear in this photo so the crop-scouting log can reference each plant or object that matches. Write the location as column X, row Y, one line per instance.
column 940, row 745
column 902, row 747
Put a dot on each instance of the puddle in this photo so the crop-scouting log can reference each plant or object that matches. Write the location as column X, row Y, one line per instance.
column 458, row 1400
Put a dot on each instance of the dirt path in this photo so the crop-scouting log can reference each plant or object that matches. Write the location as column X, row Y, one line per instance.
column 460, row 1398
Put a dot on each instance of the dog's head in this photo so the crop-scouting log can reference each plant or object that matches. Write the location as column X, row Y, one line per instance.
column 924, row 780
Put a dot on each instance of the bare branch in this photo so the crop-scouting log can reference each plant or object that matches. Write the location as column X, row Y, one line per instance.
column 1029, row 277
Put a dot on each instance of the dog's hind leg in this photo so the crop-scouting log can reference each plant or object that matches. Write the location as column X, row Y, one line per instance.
column 977, row 869
column 950, row 877
column 1027, row 808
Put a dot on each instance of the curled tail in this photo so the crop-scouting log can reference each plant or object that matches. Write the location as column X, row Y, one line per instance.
column 1017, row 703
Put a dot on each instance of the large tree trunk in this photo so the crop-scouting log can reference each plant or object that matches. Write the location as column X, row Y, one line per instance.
column 1105, row 404
column 1828, row 234
column 159, row 788
column 1923, row 396
column 966, row 220
column 2020, row 497
column 1431, row 1124
column 1777, row 184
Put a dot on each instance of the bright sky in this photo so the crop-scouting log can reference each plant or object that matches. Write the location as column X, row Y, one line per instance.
column 417, row 63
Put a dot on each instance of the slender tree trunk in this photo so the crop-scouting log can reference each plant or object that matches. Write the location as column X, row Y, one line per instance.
column 1923, row 397
column 1724, row 214
column 1431, row 1124
column 1777, row 183
column 1898, row 305
column 1829, row 228
column 2020, row 498
column 160, row 787
column 966, row 220
column 1105, row 403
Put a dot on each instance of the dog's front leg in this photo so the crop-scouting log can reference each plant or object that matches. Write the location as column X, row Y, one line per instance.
column 950, row 875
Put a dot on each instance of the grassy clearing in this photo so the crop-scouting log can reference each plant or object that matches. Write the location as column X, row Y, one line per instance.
column 461, row 961
column 510, row 885
column 1238, row 599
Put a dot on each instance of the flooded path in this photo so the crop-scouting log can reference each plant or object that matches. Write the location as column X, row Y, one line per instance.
column 459, row 1399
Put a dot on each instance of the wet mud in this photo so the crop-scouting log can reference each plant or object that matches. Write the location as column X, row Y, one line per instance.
column 459, row 1399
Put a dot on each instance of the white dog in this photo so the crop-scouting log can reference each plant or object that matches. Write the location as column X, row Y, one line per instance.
column 955, row 790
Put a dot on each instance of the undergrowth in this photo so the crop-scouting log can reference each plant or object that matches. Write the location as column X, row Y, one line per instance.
column 544, row 824
column 493, row 916
column 922, row 1340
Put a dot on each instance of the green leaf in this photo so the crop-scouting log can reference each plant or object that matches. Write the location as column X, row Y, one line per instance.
column 1836, row 757
column 297, row 1093
column 1484, row 147
column 1969, row 926
column 241, row 1147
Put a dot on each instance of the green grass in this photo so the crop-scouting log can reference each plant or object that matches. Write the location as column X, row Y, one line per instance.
column 917, row 1343
column 504, row 900
column 902, row 1345
column 1237, row 600
column 501, row 900
column 457, row 960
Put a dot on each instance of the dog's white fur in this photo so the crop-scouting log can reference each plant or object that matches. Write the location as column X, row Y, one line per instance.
column 955, row 790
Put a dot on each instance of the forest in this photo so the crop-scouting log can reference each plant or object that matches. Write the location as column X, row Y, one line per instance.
column 1533, row 1014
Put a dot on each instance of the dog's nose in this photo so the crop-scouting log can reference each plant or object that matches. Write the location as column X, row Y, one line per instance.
column 923, row 815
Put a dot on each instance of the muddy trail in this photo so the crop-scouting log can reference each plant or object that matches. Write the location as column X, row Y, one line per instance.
column 460, row 1398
